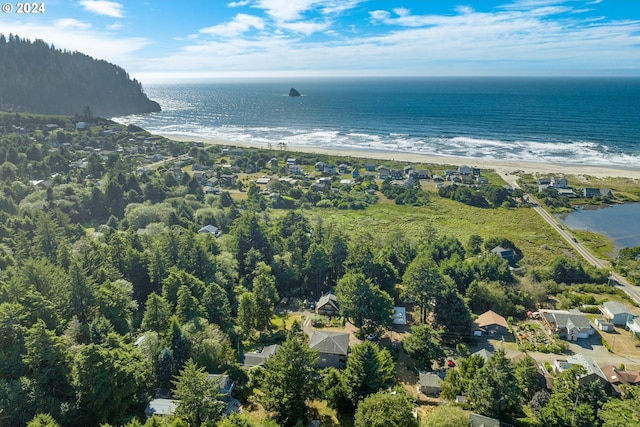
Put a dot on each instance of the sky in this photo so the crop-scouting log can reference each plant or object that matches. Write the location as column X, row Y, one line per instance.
column 198, row 39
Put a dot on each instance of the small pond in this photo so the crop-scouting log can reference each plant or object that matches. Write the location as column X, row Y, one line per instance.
column 620, row 223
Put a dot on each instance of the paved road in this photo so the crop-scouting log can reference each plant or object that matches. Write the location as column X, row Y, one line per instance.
column 629, row 289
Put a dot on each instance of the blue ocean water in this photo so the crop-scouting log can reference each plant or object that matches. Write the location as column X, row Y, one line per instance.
column 581, row 121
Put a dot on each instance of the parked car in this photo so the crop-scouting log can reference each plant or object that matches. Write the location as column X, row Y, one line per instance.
column 451, row 363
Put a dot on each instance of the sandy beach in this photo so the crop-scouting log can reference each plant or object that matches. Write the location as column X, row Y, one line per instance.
column 503, row 167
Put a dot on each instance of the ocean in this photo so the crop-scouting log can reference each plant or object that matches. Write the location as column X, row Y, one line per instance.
column 577, row 121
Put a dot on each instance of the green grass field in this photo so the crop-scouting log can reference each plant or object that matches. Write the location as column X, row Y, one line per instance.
column 383, row 221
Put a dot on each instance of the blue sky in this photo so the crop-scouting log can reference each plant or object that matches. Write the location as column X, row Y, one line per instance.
column 196, row 39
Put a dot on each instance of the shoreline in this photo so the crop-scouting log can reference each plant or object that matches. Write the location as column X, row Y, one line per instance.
column 503, row 167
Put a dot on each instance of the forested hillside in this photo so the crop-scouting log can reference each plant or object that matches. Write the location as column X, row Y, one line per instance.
column 38, row 78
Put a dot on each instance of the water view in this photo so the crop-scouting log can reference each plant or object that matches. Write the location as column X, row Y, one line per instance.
column 618, row 222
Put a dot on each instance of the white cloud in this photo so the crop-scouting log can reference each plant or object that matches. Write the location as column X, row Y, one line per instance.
column 240, row 24
column 285, row 10
column 306, row 27
column 103, row 7
column 238, row 3
column 115, row 26
column 70, row 23
column 471, row 42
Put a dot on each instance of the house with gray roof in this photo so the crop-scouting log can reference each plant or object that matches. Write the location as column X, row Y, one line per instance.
column 210, row 229
column 161, row 407
column 504, row 253
column 570, row 325
column 429, row 383
column 258, row 357
column 617, row 313
column 332, row 348
column 327, row 305
column 592, row 371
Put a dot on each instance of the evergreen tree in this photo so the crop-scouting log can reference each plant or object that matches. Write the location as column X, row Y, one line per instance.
column 289, row 381
column 266, row 296
column 200, row 400
column 157, row 314
column 368, row 370
column 494, row 390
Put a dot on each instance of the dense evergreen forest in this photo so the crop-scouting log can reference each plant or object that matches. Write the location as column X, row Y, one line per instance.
column 39, row 78
column 111, row 294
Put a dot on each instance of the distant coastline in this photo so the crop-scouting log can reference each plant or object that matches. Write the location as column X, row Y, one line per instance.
column 503, row 167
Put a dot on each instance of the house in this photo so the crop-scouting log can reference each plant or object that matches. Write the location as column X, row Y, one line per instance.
column 329, row 169
column 263, row 180
column 355, row 174
column 422, row 174
column 429, row 383
column 588, row 193
column 566, row 192
column 396, row 174
column 370, row 167
column 291, row 161
column 332, row 348
column 634, row 326
column 504, row 253
column 559, row 182
column 491, row 323
column 571, row 325
column 211, row 229
column 482, row 180
column 319, row 166
column 257, row 358
column 464, row 170
column 273, row 163
column 225, row 384
column 327, row 305
column 343, row 168
column 318, row 188
column 383, row 172
column 617, row 313
column 617, row 378
column 227, row 180
column 546, row 181
column 161, row 407
column 295, row 169
column 477, row 420
column 591, row 368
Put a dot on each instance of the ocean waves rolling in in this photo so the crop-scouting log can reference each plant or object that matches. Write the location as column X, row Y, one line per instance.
column 579, row 122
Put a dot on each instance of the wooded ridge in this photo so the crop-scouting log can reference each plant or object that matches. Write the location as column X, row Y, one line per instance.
column 39, row 78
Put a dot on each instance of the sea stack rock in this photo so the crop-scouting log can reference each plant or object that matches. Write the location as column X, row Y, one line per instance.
column 293, row 92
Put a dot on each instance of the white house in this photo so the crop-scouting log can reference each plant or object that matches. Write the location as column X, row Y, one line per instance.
column 617, row 313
